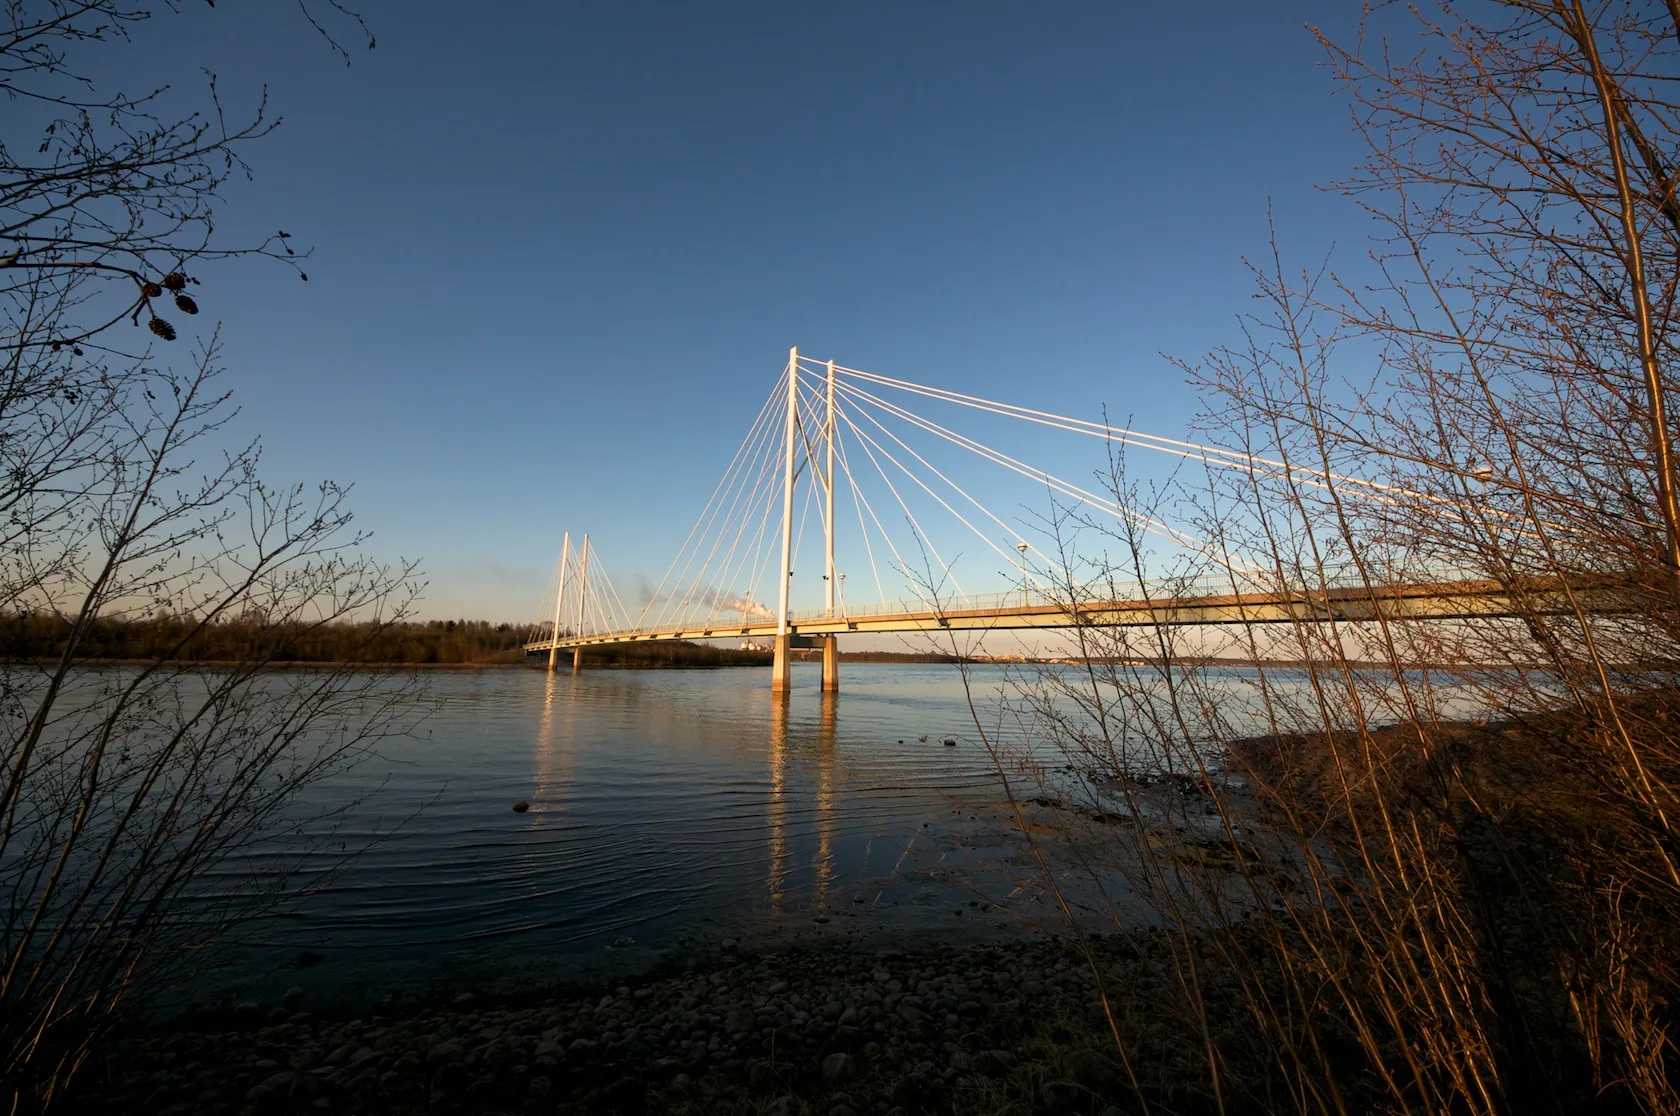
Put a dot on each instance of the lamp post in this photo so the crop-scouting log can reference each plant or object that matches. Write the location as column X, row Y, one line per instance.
column 1022, row 547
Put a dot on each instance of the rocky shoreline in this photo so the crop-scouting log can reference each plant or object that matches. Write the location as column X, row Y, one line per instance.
column 828, row 1029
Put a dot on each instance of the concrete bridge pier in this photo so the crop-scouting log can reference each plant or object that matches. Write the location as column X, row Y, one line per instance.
column 779, row 665
column 577, row 659
column 831, row 664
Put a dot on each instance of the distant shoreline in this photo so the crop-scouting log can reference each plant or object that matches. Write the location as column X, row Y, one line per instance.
column 535, row 662
column 276, row 665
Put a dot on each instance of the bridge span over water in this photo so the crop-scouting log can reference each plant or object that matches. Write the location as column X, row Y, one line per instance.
column 712, row 589
column 1444, row 600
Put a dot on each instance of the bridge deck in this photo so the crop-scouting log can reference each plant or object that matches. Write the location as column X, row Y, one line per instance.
column 1449, row 600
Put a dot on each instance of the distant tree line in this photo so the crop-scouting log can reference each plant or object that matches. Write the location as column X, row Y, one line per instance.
column 670, row 654
column 815, row 655
column 28, row 636
column 38, row 636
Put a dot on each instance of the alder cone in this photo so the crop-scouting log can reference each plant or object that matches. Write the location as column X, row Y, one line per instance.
column 175, row 281
column 151, row 290
column 162, row 328
column 187, row 305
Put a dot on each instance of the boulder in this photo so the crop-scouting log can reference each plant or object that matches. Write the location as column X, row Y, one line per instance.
column 1066, row 1096
column 838, row 1067
column 1092, row 1069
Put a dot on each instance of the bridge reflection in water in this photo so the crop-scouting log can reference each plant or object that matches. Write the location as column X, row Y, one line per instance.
column 552, row 764
column 780, row 757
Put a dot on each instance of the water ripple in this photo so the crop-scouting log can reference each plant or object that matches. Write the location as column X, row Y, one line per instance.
column 663, row 805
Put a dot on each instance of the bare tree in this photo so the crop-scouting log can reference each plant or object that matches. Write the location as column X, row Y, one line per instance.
column 124, row 791
column 1432, row 865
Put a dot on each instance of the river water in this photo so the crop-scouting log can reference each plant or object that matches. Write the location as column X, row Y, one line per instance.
column 668, row 811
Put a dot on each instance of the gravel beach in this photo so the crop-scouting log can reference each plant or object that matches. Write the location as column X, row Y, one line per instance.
column 831, row 1029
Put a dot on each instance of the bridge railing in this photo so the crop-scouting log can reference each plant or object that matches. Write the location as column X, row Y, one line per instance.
column 1166, row 588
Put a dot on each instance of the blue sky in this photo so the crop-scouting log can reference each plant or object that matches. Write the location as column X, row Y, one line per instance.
column 560, row 251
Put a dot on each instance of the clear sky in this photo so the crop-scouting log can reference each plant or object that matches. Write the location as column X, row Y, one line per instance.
column 561, row 250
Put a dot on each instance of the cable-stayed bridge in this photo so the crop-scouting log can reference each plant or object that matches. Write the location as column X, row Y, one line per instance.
column 844, row 444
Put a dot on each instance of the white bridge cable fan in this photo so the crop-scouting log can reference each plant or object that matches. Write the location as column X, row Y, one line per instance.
column 581, row 591
column 923, row 511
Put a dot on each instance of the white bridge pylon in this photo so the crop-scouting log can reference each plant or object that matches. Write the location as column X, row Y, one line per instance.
column 586, row 605
column 825, row 430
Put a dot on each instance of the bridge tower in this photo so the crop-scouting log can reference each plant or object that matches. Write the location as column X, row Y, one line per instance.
column 779, row 665
column 831, row 643
column 559, row 601
column 583, row 590
column 779, row 678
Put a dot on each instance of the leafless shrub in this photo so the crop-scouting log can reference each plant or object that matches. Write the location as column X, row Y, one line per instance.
column 137, row 802
column 1430, row 860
